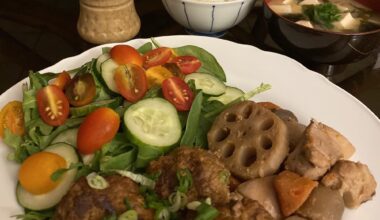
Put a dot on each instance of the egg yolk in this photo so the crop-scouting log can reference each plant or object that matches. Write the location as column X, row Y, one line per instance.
column 35, row 172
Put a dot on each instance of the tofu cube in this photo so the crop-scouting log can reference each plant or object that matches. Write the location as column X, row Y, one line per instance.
column 286, row 9
column 310, row 2
column 347, row 22
column 305, row 23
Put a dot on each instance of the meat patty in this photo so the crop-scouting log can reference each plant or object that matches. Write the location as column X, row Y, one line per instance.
column 243, row 209
column 210, row 177
column 85, row 203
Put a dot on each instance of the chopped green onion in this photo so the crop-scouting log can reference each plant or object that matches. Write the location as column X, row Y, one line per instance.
column 138, row 178
column 178, row 201
column 128, row 215
column 96, row 181
column 206, row 212
column 185, row 180
column 163, row 214
column 193, row 205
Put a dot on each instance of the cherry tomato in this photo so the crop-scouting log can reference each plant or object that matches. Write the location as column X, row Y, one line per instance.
column 12, row 118
column 187, row 64
column 158, row 56
column 156, row 75
column 62, row 80
column 124, row 54
column 53, row 105
column 177, row 92
column 35, row 172
column 98, row 128
column 131, row 82
column 81, row 90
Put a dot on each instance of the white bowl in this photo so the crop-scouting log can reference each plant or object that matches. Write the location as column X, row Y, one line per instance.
column 207, row 17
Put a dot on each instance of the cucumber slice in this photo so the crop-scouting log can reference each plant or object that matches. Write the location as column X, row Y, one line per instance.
column 68, row 136
column 52, row 198
column 107, row 70
column 154, row 126
column 228, row 96
column 101, row 59
column 207, row 83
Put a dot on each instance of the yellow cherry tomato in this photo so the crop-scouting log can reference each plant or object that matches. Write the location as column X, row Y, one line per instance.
column 35, row 172
column 156, row 75
column 12, row 118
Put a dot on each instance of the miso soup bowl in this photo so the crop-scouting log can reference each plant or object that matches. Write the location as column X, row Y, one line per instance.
column 319, row 46
column 207, row 17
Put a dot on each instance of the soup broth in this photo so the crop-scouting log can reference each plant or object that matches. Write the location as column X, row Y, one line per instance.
column 333, row 15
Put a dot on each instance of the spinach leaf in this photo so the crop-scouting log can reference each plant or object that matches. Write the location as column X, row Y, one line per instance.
column 106, row 50
column 192, row 124
column 36, row 215
column 81, row 111
column 153, row 92
column 145, row 48
column 209, row 64
column 117, row 154
column 324, row 14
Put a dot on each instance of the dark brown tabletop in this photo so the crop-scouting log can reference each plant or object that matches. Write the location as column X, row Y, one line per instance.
column 36, row 34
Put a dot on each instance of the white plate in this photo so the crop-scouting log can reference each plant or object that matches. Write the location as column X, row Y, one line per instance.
column 306, row 93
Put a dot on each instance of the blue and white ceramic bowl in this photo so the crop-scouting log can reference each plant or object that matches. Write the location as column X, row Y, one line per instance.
column 208, row 17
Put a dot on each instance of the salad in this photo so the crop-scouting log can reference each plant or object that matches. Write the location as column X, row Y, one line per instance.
column 114, row 115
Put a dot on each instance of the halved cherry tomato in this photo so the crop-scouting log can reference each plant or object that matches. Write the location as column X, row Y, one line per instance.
column 156, row 75
column 98, row 128
column 12, row 118
column 53, row 105
column 158, row 56
column 187, row 64
column 177, row 92
column 62, row 80
column 81, row 90
column 124, row 54
column 131, row 82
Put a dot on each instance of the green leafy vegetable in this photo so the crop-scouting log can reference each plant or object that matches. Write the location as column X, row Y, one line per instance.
column 185, row 180
column 262, row 88
column 145, row 48
column 324, row 14
column 58, row 173
column 153, row 92
column 192, row 124
column 106, row 50
column 206, row 212
column 81, row 111
column 209, row 64
column 12, row 140
column 36, row 215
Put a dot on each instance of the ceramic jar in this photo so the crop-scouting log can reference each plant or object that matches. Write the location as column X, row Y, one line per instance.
column 105, row 21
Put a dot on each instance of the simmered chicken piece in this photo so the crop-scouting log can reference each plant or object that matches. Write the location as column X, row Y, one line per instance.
column 319, row 150
column 209, row 176
column 243, row 209
column 353, row 180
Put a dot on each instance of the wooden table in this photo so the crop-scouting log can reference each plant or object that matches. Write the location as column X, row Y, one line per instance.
column 36, row 34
